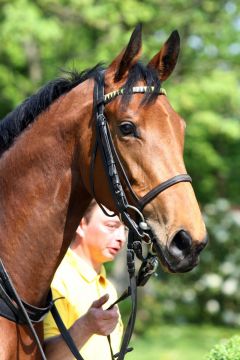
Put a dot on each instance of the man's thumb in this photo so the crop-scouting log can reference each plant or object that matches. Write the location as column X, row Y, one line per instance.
column 98, row 303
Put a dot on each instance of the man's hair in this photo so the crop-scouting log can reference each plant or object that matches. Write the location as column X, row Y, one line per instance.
column 88, row 212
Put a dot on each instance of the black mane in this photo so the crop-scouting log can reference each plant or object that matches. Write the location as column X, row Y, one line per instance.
column 17, row 120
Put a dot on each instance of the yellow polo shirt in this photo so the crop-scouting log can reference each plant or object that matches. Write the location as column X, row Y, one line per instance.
column 80, row 285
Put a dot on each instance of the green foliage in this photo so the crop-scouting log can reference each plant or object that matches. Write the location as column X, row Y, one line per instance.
column 212, row 116
column 229, row 350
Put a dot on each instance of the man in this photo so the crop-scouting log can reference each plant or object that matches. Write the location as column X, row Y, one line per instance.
column 81, row 280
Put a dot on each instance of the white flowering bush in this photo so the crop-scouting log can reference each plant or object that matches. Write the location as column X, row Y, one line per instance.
column 209, row 293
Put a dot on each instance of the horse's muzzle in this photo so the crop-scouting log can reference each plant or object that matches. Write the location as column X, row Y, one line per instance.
column 182, row 254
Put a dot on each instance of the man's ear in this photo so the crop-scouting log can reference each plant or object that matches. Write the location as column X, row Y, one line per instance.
column 165, row 60
column 118, row 70
column 80, row 228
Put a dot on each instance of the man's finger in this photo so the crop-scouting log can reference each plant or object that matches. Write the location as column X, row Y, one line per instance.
column 109, row 314
column 100, row 302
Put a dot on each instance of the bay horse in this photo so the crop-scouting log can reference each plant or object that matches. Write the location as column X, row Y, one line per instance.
column 46, row 147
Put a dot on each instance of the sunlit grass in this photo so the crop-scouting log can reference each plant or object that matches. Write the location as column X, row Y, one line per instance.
column 178, row 342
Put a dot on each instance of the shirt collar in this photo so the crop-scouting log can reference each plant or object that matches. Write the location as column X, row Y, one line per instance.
column 86, row 271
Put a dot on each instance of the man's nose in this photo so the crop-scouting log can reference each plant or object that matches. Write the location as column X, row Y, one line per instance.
column 122, row 234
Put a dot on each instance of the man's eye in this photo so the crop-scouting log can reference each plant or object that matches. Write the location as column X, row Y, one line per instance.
column 127, row 128
column 111, row 226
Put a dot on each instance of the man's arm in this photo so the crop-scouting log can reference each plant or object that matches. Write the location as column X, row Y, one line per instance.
column 95, row 321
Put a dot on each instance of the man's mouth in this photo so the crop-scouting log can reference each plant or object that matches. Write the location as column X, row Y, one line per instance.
column 113, row 251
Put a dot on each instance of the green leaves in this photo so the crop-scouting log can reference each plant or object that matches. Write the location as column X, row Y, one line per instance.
column 229, row 350
column 210, row 107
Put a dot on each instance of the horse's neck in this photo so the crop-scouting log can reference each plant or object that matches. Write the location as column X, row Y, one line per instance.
column 41, row 195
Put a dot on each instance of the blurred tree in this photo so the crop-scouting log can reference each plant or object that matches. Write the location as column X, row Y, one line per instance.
column 210, row 106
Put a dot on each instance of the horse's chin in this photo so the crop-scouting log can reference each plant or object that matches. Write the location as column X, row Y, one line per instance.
column 174, row 265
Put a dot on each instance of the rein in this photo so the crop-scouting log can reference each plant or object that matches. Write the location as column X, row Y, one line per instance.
column 15, row 309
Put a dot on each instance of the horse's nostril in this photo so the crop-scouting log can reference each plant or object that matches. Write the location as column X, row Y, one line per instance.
column 202, row 245
column 181, row 243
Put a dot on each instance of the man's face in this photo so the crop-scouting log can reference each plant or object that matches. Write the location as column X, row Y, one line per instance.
column 104, row 236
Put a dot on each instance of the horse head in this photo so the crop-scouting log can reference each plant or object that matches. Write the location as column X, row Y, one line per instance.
column 149, row 139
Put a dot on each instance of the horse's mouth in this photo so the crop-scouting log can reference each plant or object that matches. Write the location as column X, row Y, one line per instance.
column 175, row 265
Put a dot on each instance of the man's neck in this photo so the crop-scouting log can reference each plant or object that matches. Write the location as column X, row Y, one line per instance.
column 84, row 255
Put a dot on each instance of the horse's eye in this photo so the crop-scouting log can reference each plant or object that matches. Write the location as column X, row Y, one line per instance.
column 127, row 128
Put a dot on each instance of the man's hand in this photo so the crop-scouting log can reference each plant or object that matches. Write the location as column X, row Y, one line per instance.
column 95, row 321
column 99, row 321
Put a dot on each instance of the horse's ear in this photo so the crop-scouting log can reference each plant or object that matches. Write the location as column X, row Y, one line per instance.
column 165, row 60
column 118, row 69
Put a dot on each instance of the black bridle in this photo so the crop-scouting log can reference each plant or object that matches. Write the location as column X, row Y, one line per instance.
column 15, row 309
column 112, row 164
column 139, row 230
